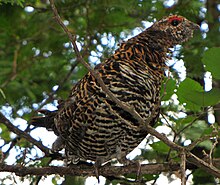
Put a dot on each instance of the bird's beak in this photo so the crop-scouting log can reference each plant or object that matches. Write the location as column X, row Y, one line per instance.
column 194, row 26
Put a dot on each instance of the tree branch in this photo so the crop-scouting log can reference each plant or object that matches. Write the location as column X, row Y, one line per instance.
column 183, row 167
column 88, row 170
column 23, row 134
column 202, row 164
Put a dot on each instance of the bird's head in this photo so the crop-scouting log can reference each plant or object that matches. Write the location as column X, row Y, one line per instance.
column 174, row 29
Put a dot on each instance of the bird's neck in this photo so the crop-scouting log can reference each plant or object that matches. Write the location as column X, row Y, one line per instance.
column 155, row 39
column 147, row 49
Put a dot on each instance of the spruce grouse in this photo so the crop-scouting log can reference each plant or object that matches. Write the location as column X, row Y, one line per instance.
column 89, row 125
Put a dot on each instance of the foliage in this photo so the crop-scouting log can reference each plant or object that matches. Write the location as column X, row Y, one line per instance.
column 210, row 60
column 196, row 97
column 12, row 2
column 38, row 67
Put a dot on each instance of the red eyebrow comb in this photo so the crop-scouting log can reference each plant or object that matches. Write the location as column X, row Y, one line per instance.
column 175, row 17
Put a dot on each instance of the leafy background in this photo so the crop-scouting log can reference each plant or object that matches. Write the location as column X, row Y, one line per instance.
column 38, row 66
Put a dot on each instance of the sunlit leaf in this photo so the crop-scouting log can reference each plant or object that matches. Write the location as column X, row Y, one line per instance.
column 196, row 130
column 211, row 59
column 160, row 147
column 192, row 94
column 168, row 88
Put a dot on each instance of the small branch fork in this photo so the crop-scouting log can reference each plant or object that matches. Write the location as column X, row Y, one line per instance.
column 106, row 171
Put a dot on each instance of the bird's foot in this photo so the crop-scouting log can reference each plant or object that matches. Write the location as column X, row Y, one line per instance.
column 97, row 166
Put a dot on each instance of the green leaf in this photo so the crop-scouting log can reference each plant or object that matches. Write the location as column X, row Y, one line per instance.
column 150, row 177
column 44, row 161
column 5, row 135
column 160, row 147
column 217, row 152
column 18, row 2
column 206, row 144
column 207, row 131
column 196, row 130
column 211, row 59
column 131, row 176
column 24, row 143
column 202, row 177
column 168, row 89
column 192, row 93
column 183, row 122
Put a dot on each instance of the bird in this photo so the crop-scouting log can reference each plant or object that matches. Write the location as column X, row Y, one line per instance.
column 89, row 124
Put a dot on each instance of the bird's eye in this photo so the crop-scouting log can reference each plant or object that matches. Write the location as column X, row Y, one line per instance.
column 175, row 22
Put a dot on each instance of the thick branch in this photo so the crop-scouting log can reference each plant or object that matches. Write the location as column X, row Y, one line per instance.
column 86, row 170
column 106, row 171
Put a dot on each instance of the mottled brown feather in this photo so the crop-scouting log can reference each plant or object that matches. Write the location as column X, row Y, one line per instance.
column 90, row 125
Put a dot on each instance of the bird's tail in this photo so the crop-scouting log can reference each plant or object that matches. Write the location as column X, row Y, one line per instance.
column 46, row 121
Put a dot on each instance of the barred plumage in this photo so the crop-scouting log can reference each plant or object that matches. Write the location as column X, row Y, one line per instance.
column 90, row 125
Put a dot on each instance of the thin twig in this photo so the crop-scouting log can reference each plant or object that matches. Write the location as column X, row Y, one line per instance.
column 201, row 139
column 211, row 151
column 215, row 130
column 183, row 167
column 196, row 142
column 23, row 134
column 187, row 126
column 202, row 164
